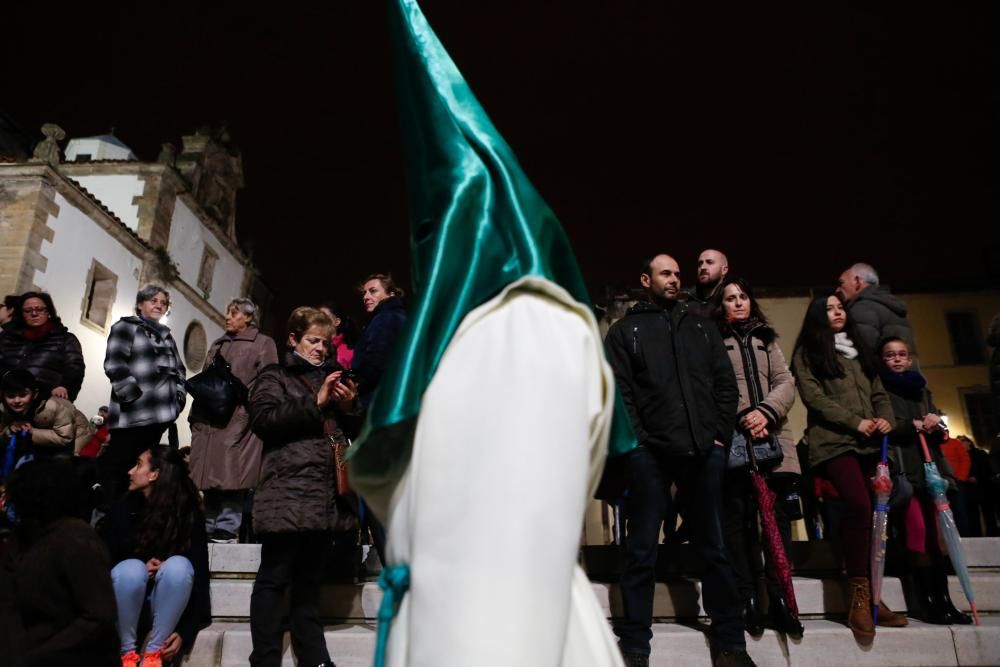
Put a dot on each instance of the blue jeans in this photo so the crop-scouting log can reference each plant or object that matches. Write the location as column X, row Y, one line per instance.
column 168, row 597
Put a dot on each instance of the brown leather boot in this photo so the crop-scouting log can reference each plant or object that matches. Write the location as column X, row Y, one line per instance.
column 887, row 618
column 859, row 610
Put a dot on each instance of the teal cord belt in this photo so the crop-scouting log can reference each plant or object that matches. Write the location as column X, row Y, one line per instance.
column 394, row 582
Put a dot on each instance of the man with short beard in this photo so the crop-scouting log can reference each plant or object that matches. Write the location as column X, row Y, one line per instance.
column 712, row 268
column 681, row 395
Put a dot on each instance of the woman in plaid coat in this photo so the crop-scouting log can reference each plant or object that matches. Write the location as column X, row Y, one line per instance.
column 147, row 386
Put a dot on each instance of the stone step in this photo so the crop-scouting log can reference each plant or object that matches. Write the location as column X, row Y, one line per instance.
column 677, row 599
column 808, row 557
column 825, row 644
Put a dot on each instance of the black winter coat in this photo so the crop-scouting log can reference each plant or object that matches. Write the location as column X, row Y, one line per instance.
column 55, row 360
column 297, row 489
column 675, row 376
column 371, row 354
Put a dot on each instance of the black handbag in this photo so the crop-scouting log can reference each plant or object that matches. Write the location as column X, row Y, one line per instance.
column 216, row 392
column 766, row 452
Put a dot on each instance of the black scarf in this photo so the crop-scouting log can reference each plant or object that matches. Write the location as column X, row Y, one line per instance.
column 908, row 384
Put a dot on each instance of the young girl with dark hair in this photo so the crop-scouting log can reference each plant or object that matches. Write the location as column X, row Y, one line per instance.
column 849, row 413
column 156, row 536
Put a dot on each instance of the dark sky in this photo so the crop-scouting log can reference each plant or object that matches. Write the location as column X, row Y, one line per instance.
column 798, row 139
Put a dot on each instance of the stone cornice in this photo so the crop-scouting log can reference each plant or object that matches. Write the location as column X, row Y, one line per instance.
column 82, row 200
column 172, row 178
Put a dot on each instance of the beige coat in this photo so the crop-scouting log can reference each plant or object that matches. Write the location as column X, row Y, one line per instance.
column 57, row 425
column 765, row 365
column 229, row 458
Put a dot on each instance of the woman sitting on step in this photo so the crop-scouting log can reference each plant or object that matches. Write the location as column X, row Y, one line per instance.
column 156, row 537
column 849, row 412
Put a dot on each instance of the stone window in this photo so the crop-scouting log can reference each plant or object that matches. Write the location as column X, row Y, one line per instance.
column 99, row 300
column 82, row 157
column 195, row 347
column 207, row 271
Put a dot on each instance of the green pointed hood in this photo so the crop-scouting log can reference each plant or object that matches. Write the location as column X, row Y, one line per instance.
column 477, row 225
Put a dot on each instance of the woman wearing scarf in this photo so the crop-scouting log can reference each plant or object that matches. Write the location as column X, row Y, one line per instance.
column 849, row 413
column 767, row 393
column 147, row 386
column 35, row 340
column 295, row 409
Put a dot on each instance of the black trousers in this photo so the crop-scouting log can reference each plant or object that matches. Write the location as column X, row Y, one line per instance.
column 747, row 552
column 120, row 455
column 297, row 560
column 701, row 481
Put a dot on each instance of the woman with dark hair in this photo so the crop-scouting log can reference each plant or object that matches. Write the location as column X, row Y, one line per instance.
column 383, row 300
column 346, row 333
column 156, row 537
column 295, row 408
column 767, row 393
column 147, row 385
column 57, row 606
column 36, row 340
column 849, row 412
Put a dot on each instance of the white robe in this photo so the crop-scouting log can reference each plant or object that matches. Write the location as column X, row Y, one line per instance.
column 510, row 442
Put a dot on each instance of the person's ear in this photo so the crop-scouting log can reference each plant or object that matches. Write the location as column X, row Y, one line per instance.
column 645, row 280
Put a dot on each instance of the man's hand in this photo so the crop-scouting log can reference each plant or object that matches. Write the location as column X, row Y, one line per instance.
column 171, row 647
column 866, row 427
column 60, row 392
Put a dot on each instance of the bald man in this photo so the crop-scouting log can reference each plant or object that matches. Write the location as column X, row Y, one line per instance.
column 681, row 395
column 713, row 266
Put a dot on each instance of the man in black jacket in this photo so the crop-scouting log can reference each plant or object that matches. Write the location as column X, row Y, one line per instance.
column 681, row 394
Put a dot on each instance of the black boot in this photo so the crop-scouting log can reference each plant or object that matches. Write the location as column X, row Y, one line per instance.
column 942, row 605
column 753, row 620
column 782, row 618
column 928, row 606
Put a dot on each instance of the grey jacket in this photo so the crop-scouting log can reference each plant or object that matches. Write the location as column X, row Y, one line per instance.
column 878, row 314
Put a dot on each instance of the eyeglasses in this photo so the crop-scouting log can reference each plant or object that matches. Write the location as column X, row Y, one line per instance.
column 34, row 311
column 896, row 355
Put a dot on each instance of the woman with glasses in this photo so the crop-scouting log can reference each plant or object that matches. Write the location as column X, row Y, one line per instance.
column 147, row 386
column 35, row 340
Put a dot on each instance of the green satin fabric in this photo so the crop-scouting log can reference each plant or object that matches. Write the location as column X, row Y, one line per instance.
column 477, row 225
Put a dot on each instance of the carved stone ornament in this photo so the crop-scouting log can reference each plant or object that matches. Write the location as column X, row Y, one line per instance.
column 47, row 150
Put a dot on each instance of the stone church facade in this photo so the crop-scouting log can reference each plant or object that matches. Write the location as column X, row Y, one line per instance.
column 94, row 226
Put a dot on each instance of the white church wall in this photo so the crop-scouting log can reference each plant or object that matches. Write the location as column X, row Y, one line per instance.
column 116, row 191
column 76, row 243
column 188, row 238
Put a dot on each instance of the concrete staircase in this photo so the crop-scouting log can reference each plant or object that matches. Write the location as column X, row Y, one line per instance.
column 678, row 637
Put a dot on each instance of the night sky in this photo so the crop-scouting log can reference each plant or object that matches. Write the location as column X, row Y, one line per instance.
column 797, row 139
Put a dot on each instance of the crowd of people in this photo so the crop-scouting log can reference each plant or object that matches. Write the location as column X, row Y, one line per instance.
column 129, row 518
column 106, row 528
column 704, row 382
